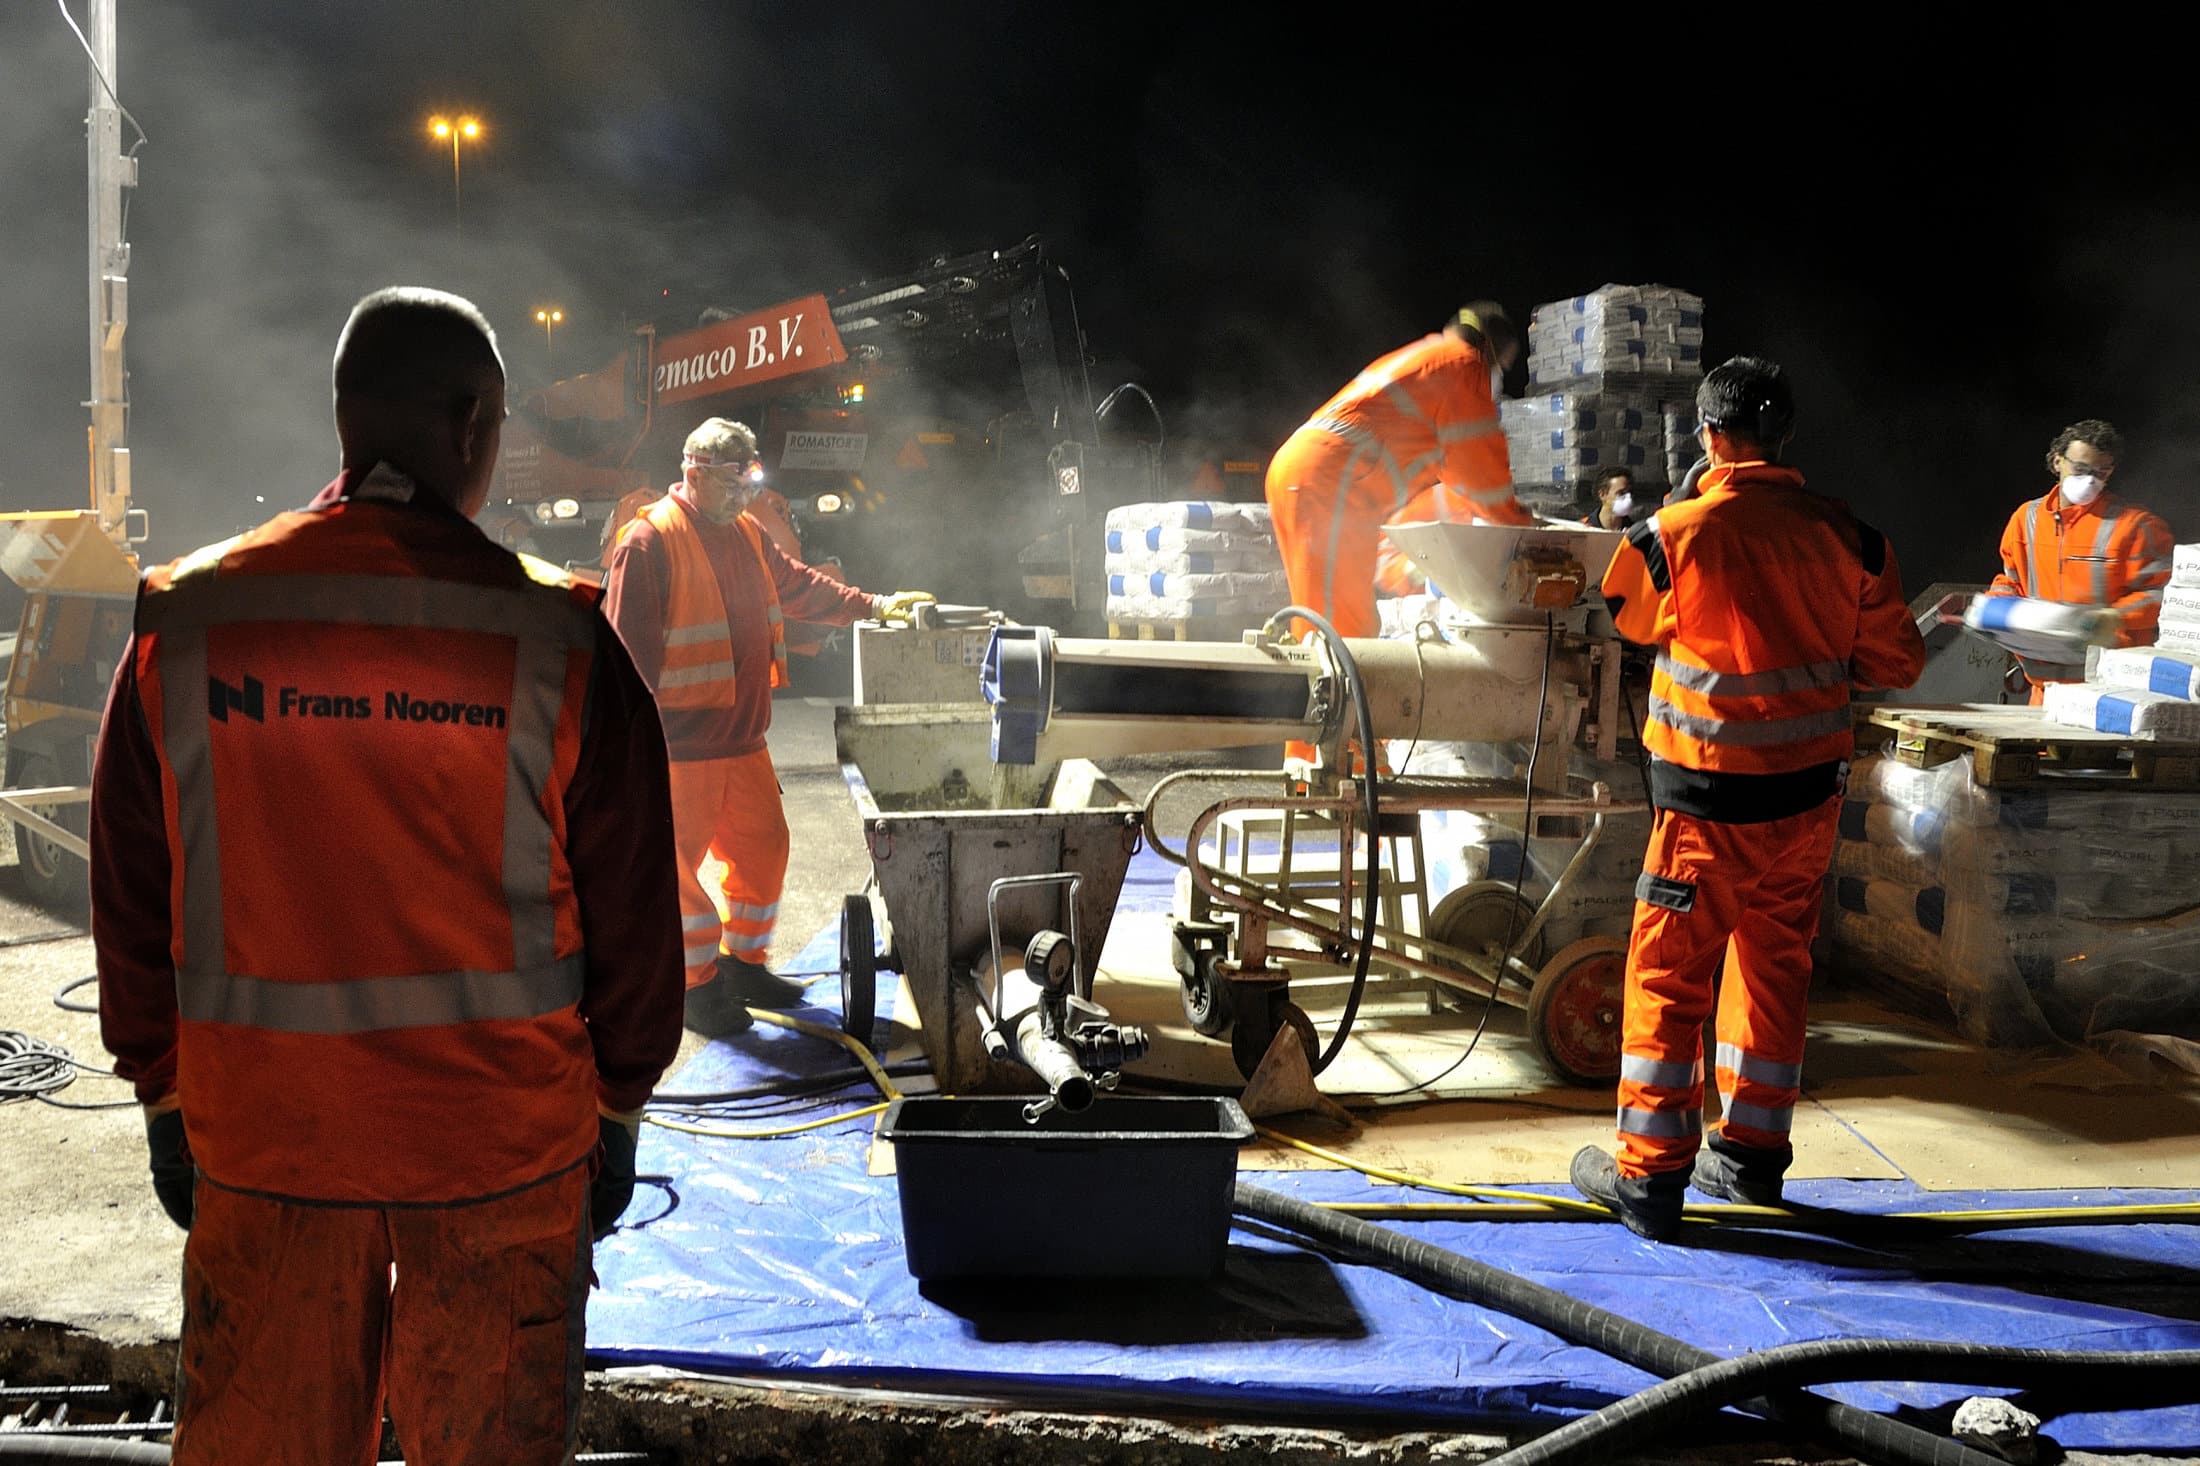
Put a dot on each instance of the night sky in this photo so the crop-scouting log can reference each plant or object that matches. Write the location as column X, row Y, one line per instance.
column 1957, row 243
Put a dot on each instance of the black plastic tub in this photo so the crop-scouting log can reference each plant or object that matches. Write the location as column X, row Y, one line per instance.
column 1134, row 1187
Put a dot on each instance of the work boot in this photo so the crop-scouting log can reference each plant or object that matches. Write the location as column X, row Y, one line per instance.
column 714, row 1010
column 757, row 985
column 1740, row 1173
column 1649, row 1205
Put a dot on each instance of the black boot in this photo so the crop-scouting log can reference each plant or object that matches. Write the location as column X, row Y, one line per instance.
column 757, row 985
column 1649, row 1205
column 714, row 1010
column 1740, row 1173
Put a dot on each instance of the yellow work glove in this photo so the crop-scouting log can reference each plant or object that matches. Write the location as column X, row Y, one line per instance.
column 899, row 609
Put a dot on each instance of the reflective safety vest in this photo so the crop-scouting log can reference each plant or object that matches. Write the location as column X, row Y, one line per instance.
column 1423, row 416
column 366, row 718
column 2107, row 553
column 698, row 669
column 1764, row 602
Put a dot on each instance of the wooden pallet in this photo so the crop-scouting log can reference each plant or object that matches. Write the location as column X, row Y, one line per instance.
column 2021, row 748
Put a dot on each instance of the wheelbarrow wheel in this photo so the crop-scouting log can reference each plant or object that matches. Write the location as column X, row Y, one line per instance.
column 858, row 969
column 1263, row 1008
column 1574, row 1010
column 1208, row 1005
column 1481, row 915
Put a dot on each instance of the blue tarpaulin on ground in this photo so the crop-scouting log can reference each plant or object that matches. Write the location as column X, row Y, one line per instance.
column 784, row 1256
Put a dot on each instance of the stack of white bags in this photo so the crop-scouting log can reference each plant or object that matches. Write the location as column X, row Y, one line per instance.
column 2181, row 603
column 1193, row 560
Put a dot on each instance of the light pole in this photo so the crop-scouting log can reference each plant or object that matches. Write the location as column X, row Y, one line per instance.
column 468, row 128
column 549, row 318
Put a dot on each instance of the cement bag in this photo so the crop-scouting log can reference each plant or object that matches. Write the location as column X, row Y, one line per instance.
column 1875, row 947
column 2181, row 604
column 1921, row 907
column 2109, row 873
column 1200, row 514
column 2182, row 640
column 2148, row 670
column 1195, row 597
column 2185, row 565
column 1140, row 561
column 2047, row 630
column 1868, row 862
column 1918, row 831
column 2123, row 710
column 1155, row 540
column 1989, row 964
column 2012, row 895
column 1970, row 851
column 1945, row 789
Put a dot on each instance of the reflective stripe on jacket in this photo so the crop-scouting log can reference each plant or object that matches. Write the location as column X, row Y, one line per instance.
column 698, row 669
column 365, row 734
column 1764, row 602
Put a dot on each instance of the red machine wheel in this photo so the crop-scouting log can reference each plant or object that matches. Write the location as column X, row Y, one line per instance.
column 1574, row 1011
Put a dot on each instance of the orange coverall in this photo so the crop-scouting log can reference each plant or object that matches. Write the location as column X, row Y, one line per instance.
column 1765, row 603
column 2106, row 553
column 1419, row 421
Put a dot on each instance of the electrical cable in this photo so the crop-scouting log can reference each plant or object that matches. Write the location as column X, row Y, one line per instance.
column 1161, row 432
column 1642, row 754
column 772, row 1134
column 2131, row 1377
column 31, row 1068
column 1349, row 669
column 830, row 1080
column 67, row 988
column 871, row 1066
column 1871, row 1436
column 1520, row 873
column 105, row 85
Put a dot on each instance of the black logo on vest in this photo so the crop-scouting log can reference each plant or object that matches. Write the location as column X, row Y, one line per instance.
column 250, row 699
column 303, row 705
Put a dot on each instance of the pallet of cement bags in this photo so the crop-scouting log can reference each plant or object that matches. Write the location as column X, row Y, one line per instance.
column 2032, row 915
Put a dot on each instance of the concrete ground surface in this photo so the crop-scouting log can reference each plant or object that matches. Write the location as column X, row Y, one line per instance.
column 89, row 1266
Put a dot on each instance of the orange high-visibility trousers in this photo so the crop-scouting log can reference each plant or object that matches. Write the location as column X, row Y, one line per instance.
column 1746, row 897
column 299, row 1320
column 1328, row 510
column 729, row 830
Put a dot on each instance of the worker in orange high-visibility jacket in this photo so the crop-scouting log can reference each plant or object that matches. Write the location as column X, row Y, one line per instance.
column 2083, row 546
column 702, row 595
column 1415, row 436
column 388, row 937
column 1766, row 604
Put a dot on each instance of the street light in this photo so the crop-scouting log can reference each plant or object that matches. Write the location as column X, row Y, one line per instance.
column 468, row 128
column 549, row 318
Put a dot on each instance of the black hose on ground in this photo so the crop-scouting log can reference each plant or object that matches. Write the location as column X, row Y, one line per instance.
column 2163, row 1377
column 47, row 1450
column 1870, row 1436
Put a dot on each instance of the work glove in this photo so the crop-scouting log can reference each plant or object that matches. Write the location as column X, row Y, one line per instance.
column 900, row 607
column 613, row 1187
column 173, row 1174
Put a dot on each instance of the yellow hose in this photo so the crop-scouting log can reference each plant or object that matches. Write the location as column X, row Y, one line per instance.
column 1534, row 1206
column 878, row 1075
column 831, row 1035
column 1494, row 1193
column 686, row 1129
